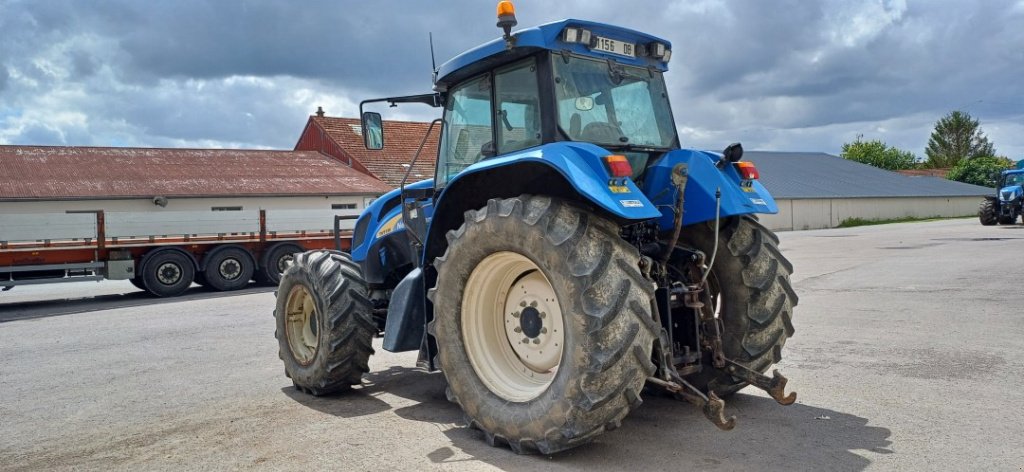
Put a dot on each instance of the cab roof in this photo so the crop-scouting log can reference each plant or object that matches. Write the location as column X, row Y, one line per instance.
column 546, row 36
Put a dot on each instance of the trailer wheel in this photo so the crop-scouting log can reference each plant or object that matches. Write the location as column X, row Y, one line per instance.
column 543, row 323
column 275, row 261
column 325, row 324
column 750, row 288
column 229, row 268
column 168, row 273
column 137, row 282
column 987, row 212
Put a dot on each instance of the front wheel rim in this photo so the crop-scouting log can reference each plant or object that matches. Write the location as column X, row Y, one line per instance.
column 512, row 326
column 301, row 325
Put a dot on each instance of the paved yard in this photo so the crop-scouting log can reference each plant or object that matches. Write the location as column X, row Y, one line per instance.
column 908, row 354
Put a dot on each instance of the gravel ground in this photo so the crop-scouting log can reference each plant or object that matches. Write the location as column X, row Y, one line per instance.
column 908, row 355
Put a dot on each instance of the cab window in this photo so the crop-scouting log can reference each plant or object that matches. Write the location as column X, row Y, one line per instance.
column 467, row 128
column 517, row 112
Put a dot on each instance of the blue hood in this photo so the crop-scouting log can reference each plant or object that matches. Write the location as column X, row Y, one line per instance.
column 1010, row 193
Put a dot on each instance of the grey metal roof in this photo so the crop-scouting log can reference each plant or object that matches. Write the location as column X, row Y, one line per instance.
column 819, row 175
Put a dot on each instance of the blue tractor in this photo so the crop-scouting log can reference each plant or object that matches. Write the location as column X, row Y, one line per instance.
column 1006, row 206
column 566, row 255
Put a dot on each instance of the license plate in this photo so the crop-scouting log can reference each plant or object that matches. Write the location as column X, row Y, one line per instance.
column 614, row 47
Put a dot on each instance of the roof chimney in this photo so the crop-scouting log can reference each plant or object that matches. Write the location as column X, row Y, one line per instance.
column 320, row 112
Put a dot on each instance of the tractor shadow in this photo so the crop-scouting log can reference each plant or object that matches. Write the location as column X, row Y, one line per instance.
column 663, row 433
column 406, row 382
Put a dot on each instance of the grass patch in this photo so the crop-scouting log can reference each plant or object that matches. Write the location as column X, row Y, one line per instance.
column 854, row 222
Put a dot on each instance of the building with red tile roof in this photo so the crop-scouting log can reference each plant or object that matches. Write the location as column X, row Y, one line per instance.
column 342, row 138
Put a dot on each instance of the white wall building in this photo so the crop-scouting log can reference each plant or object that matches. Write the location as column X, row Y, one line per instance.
column 817, row 190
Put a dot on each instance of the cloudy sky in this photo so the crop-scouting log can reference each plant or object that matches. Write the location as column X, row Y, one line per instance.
column 796, row 75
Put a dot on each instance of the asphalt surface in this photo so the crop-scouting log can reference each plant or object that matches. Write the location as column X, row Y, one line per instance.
column 908, row 355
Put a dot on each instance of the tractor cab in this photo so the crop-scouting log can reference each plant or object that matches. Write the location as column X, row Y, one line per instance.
column 570, row 80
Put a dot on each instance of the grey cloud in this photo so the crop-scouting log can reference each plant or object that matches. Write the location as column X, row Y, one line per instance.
column 781, row 74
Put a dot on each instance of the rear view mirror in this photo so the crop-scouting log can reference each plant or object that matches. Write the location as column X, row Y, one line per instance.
column 584, row 103
column 373, row 131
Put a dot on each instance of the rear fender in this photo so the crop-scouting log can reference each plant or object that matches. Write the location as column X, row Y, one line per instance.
column 572, row 171
column 704, row 179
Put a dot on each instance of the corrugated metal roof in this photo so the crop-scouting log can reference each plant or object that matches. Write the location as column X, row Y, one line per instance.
column 69, row 172
column 401, row 139
column 820, row 175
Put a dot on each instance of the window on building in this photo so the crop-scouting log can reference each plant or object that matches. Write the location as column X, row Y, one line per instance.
column 343, row 206
column 226, row 208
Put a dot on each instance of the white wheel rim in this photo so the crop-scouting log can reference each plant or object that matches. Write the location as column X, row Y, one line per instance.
column 301, row 324
column 512, row 326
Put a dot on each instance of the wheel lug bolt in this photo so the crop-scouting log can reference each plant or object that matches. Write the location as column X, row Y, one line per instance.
column 536, row 341
column 526, row 340
column 543, row 331
column 533, row 304
column 543, row 315
column 515, row 314
column 523, row 303
column 517, row 329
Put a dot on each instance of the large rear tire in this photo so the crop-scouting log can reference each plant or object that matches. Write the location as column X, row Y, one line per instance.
column 750, row 286
column 325, row 325
column 543, row 323
column 987, row 212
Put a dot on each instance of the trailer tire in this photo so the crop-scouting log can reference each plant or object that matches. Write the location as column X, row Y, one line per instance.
column 524, row 275
column 750, row 281
column 987, row 212
column 168, row 273
column 137, row 282
column 228, row 268
column 324, row 321
column 275, row 261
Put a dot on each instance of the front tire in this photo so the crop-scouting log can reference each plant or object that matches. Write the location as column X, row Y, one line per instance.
column 750, row 285
column 543, row 324
column 987, row 212
column 325, row 324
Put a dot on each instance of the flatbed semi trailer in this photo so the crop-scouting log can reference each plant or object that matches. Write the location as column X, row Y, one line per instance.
column 164, row 252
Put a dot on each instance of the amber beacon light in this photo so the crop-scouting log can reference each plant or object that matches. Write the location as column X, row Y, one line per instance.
column 506, row 20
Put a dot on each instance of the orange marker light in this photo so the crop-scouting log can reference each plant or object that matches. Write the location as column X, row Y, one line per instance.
column 747, row 170
column 505, row 7
column 618, row 165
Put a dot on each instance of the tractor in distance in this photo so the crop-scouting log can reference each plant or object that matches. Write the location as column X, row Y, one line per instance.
column 566, row 255
column 1008, row 203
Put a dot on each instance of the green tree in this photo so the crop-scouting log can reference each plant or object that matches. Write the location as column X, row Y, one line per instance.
column 876, row 153
column 957, row 136
column 979, row 170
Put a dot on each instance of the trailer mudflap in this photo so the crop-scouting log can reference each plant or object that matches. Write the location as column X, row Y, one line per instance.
column 404, row 328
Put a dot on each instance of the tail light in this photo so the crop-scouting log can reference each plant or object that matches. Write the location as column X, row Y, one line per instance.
column 618, row 166
column 747, row 170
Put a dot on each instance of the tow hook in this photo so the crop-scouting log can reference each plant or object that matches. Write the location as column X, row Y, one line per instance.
column 775, row 385
column 712, row 406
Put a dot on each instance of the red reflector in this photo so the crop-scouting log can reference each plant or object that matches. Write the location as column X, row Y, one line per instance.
column 618, row 166
column 747, row 170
